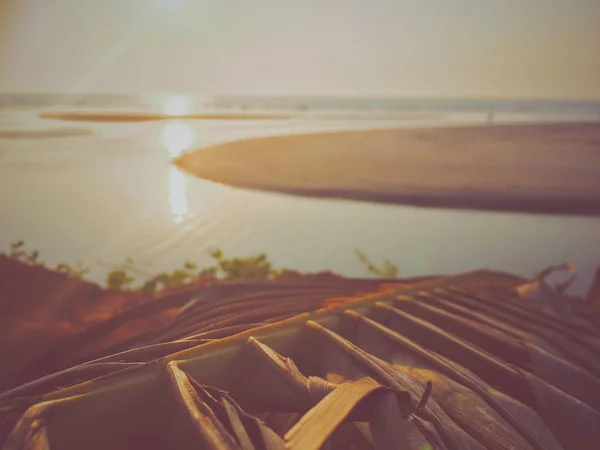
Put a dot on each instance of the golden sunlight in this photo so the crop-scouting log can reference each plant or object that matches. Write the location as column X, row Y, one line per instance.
column 177, row 194
column 177, row 137
column 176, row 105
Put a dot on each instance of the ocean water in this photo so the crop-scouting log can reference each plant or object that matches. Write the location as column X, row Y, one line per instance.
column 99, row 192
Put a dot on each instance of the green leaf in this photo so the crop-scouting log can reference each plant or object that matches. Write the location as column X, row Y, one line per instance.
column 216, row 254
column 190, row 265
column 17, row 244
column 118, row 279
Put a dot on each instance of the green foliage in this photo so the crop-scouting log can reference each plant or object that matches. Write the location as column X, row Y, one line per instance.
column 18, row 252
column 249, row 268
column 31, row 257
column 119, row 279
column 386, row 270
column 168, row 280
column 78, row 270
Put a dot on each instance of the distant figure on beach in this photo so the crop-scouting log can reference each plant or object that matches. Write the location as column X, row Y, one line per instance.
column 490, row 117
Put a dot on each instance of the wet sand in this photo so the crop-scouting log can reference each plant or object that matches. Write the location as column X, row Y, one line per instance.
column 540, row 168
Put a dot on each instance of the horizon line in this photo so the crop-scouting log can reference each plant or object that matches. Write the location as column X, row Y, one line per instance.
column 318, row 96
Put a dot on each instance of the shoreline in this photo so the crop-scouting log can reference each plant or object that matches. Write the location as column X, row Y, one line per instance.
column 534, row 168
column 77, row 116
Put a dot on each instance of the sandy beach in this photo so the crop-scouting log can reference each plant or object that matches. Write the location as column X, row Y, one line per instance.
column 545, row 168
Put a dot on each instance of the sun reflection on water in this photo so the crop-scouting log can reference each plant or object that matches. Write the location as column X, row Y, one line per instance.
column 177, row 194
column 177, row 137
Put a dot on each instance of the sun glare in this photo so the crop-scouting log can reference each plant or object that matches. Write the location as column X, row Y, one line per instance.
column 177, row 194
column 176, row 105
column 177, row 137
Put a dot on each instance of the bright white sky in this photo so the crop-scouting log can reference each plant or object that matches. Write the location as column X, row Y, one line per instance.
column 491, row 48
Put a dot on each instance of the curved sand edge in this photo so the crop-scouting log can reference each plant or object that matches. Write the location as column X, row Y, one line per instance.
column 540, row 168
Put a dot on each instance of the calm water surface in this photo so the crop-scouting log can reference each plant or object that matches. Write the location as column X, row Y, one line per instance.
column 105, row 191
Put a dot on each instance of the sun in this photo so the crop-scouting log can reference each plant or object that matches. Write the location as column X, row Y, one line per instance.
column 176, row 105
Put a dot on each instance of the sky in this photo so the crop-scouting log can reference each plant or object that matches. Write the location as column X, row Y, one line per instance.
column 409, row 48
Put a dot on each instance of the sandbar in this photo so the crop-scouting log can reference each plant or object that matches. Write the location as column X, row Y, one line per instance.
column 535, row 168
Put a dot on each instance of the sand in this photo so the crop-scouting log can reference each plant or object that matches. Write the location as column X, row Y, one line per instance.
column 539, row 168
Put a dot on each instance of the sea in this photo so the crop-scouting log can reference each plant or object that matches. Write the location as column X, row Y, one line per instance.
column 101, row 192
